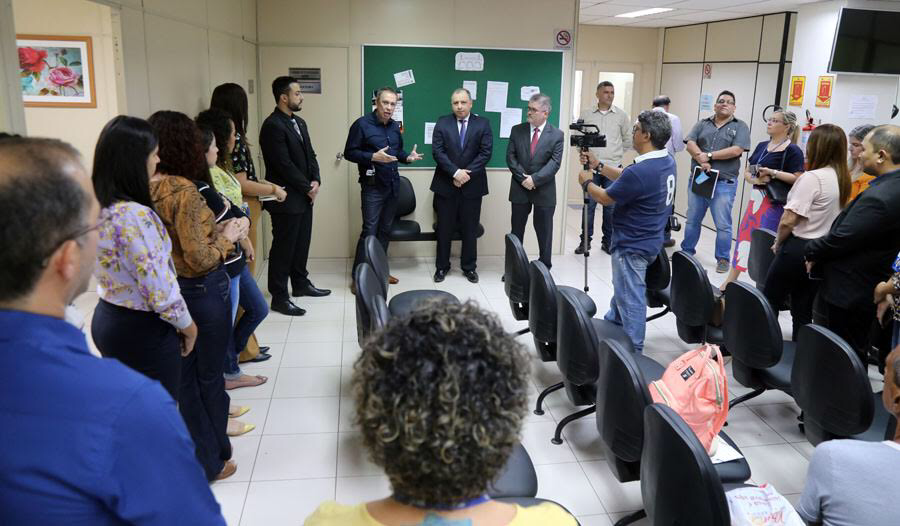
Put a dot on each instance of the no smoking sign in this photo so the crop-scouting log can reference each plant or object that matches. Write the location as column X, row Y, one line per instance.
column 562, row 39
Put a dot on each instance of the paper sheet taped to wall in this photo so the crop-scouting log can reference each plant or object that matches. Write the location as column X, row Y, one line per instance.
column 469, row 62
column 404, row 78
column 496, row 96
column 472, row 86
column 429, row 132
column 525, row 92
column 863, row 106
column 509, row 117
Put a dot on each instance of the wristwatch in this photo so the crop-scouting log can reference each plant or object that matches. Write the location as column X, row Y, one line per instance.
column 708, row 156
column 599, row 169
column 585, row 184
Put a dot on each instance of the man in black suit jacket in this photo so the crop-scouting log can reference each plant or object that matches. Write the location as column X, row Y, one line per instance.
column 461, row 146
column 533, row 156
column 291, row 163
column 856, row 254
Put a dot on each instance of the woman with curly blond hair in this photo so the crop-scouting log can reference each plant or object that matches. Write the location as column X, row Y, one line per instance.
column 440, row 396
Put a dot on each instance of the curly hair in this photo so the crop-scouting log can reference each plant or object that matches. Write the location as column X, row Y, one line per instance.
column 181, row 149
column 218, row 123
column 441, row 395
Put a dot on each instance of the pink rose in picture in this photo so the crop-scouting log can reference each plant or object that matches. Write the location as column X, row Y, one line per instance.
column 31, row 59
column 63, row 76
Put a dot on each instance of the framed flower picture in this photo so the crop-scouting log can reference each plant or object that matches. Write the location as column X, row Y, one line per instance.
column 56, row 71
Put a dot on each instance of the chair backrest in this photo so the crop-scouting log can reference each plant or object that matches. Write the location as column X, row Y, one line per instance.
column 692, row 297
column 576, row 340
column 622, row 396
column 659, row 273
column 831, row 384
column 368, row 290
column 541, row 304
column 380, row 312
column 373, row 254
column 515, row 270
column 761, row 255
column 406, row 198
column 679, row 484
column 750, row 327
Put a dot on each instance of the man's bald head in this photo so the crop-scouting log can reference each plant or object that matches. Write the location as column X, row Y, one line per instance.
column 45, row 197
column 881, row 150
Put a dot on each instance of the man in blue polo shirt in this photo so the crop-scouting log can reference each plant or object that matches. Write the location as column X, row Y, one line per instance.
column 83, row 441
column 642, row 194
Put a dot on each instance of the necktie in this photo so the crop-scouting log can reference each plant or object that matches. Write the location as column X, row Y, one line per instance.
column 462, row 134
column 534, row 140
column 297, row 129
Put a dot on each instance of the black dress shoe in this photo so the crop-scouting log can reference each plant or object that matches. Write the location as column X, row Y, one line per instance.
column 287, row 308
column 439, row 275
column 263, row 349
column 310, row 290
column 605, row 248
column 471, row 275
column 261, row 357
column 580, row 249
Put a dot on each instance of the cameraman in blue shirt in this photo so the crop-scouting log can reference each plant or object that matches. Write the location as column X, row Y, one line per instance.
column 642, row 193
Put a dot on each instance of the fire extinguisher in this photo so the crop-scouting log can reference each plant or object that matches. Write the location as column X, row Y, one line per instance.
column 806, row 130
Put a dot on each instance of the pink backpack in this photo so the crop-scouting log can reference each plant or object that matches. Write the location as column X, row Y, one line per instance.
column 695, row 386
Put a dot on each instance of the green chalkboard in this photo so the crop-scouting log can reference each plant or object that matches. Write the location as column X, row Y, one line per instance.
column 436, row 76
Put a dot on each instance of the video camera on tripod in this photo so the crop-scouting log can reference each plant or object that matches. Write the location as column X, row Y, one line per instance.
column 588, row 139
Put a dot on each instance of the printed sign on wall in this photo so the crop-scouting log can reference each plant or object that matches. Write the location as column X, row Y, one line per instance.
column 798, row 84
column 823, row 93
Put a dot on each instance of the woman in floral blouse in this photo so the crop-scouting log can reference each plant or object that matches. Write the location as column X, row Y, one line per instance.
column 887, row 295
column 141, row 318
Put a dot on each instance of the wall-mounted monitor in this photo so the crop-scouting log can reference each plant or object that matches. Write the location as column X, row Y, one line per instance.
column 866, row 42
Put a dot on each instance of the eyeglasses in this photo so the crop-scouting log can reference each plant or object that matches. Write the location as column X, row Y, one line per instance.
column 776, row 121
column 532, row 109
column 723, row 101
column 81, row 232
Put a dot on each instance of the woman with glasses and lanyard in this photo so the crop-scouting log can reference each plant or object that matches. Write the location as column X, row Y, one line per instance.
column 199, row 250
column 778, row 159
column 141, row 318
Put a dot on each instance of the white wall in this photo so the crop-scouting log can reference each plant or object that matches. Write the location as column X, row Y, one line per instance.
column 12, row 114
column 77, row 126
column 476, row 23
column 816, row 26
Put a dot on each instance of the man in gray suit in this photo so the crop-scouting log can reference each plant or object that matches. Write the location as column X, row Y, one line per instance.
column 533, row 156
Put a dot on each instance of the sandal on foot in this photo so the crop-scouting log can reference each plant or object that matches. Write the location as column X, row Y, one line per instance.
column 246, row 380
column 227, row 470
column 238, row 410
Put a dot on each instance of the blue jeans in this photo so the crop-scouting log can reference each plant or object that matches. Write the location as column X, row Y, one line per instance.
column 628, row 307
column 606, row 225
column 379, row 206
column 720, row 205
column 255, row 311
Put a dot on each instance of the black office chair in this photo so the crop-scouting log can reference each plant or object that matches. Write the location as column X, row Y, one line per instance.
column 405, row 229
column 542, row 313
column 405, row 302
column 578, row 341
column 761, row 255
column 518, row 478
column 693, row 301
column 831, row 385
column 761, row 359
column 516, row 281
column 528, row 502
column 679, row 484
column 367, row 298
column 622, row 396
column 658, row 280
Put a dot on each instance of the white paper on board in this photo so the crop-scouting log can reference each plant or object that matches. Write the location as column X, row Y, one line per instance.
column 404, row 78
column 706, row 102
column 469, row 62
column 509, row 117
column 429, row 132
column 863, row 106
column 496, row 96
column 472, row 86
column 525, row 92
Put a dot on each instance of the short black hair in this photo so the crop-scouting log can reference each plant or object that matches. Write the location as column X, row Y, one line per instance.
column 726, row 92
column 281, row 86
column 662, row 100
column 232, row 98
column 41, row 206
column 217, row 122
column 657, row 124
column 604, row 84
column 382, row 90
column 120, row 161
column 887, row 138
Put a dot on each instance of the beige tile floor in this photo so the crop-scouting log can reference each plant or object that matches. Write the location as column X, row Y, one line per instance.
column 305, row 450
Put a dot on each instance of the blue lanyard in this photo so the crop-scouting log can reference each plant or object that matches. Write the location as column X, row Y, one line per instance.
column 441, row 507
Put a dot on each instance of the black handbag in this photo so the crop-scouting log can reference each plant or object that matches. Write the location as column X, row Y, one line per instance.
column 776, row 189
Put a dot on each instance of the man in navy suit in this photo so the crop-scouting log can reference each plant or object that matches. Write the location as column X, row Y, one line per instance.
column 533, row 156
column 461, row 147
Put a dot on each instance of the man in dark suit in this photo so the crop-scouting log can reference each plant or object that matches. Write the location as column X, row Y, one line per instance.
column 533, row 156
column 290, row 163
column 461, row 146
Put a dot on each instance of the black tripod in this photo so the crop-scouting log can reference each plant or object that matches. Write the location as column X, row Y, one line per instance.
column 585, row 243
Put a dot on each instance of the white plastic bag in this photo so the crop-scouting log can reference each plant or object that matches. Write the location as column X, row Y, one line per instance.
column 761, row 506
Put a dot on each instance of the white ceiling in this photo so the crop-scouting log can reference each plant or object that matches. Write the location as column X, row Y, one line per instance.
column 603, row 13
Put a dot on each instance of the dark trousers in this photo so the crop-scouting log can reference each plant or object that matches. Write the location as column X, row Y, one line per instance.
column 591, row 210
column 379, row 206
column 787, row 277
column 852, row 324
column 204, row 402
column 543, row 227
column 291, row 235
column 140, row 340
column 457, row 213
